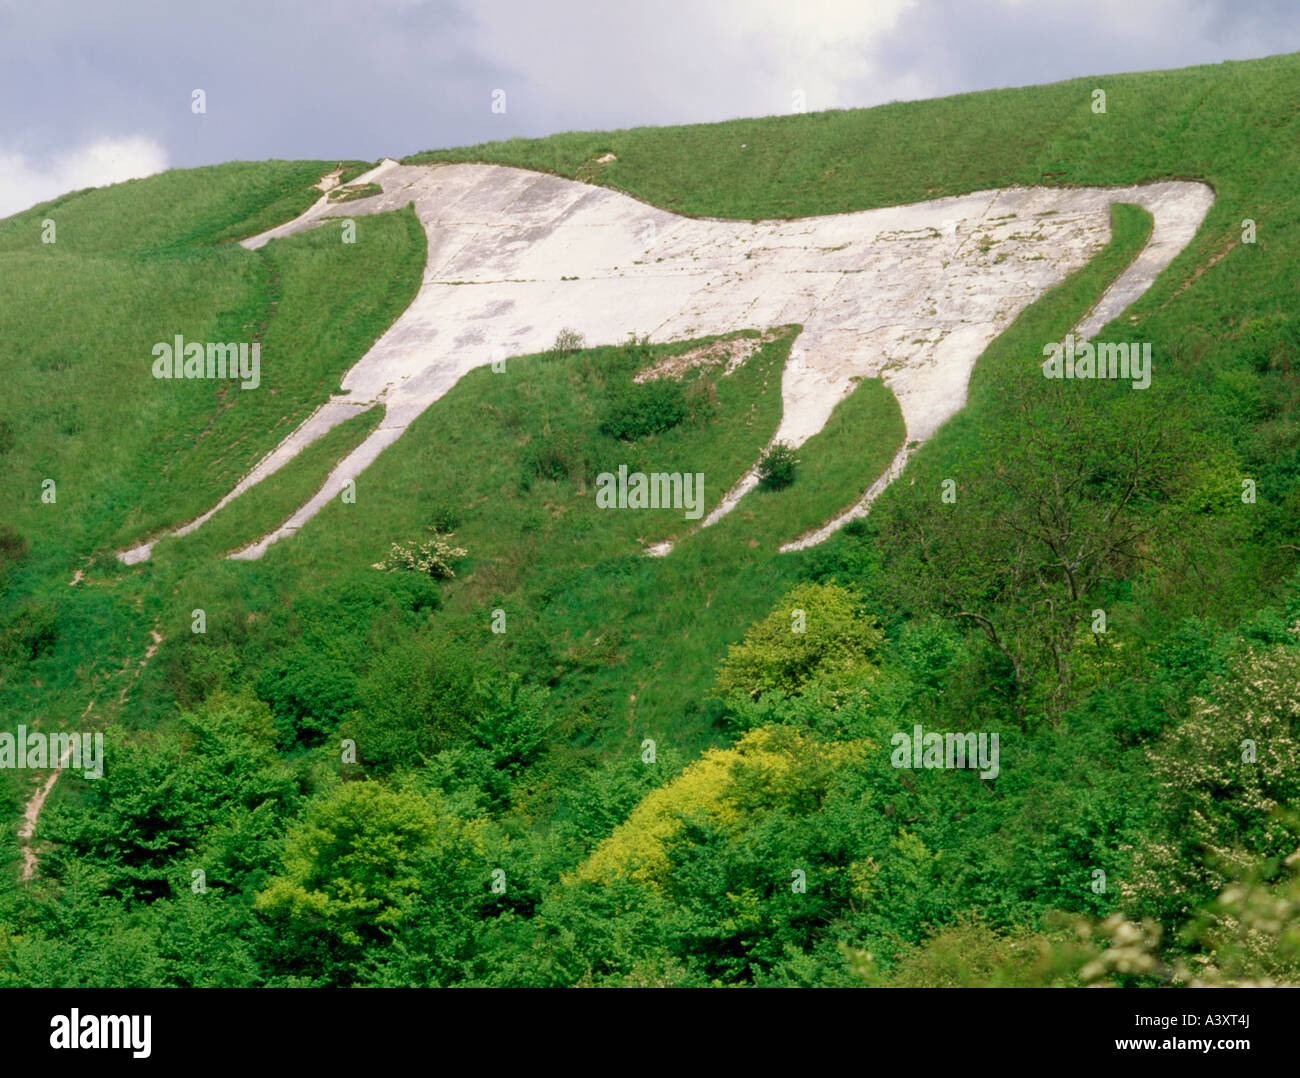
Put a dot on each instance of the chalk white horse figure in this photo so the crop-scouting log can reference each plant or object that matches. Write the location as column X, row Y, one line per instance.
column 912, row 294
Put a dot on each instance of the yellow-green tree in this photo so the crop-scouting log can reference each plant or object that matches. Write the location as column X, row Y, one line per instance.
column 769, row 768
column 353, row 861
column 816, row 632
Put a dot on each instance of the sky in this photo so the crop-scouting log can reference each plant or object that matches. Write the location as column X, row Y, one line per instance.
column 97, row 91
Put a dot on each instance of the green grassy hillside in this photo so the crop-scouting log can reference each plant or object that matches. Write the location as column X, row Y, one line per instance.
column 552, row 711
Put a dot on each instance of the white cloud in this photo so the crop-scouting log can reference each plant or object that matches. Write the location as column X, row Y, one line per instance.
column 675, row 61
column 25, row 181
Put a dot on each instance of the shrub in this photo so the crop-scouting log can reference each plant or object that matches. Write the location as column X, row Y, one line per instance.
column 416, row 701
column 196, row 672
column 309, row 693
column 417, row 594
column 349, row 866
column 433, row 556
column 444, row 518
column 568, row 341
column 13, row 548
column 29, row 633
column 648, row 408
column 558, row 457
column 776, row 469
column 1226, row 776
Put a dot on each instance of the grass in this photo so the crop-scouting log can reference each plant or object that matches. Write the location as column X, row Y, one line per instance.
column 132, row 455
column 177, row 209
column 1190, row 123
column 350, row 193
column 270, row 503
column 839, row 463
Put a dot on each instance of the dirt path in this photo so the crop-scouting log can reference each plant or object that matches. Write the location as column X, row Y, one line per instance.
column 32, row 812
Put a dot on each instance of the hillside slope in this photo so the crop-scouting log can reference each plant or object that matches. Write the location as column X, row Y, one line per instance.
column 610, row 721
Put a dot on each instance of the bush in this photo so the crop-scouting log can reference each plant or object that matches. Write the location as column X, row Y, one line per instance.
column 648, row 408
column 433, row 556
column 816, row 632
column 309, row 693
column 444, row 518
column 13, row 548
column 29, row 633
column 417, row 594
column 350, row 866
column 504, row 737
column 559, row 457
column 200, row 670
column 568, row 341
column 1226, row 776
column 416, row 701
column 776, row 469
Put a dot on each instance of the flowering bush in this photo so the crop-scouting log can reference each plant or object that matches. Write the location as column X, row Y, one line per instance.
column 1227, row 774
column 433, row 556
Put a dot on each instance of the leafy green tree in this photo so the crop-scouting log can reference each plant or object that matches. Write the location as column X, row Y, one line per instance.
column 1063, row 498
column 504, row 738
column 350, row 870
column 310, row 692
column 79, row 934
column 159, row 796
column 203, row 940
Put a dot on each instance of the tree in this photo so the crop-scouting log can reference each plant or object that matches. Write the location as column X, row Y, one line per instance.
column 351, row 864
column 816, row 632
column 769, row 769
column 432, row 556
column 159, row 797
column 1064, row 499
column 1225, row 774
column 568, row 341
column 504, row 738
